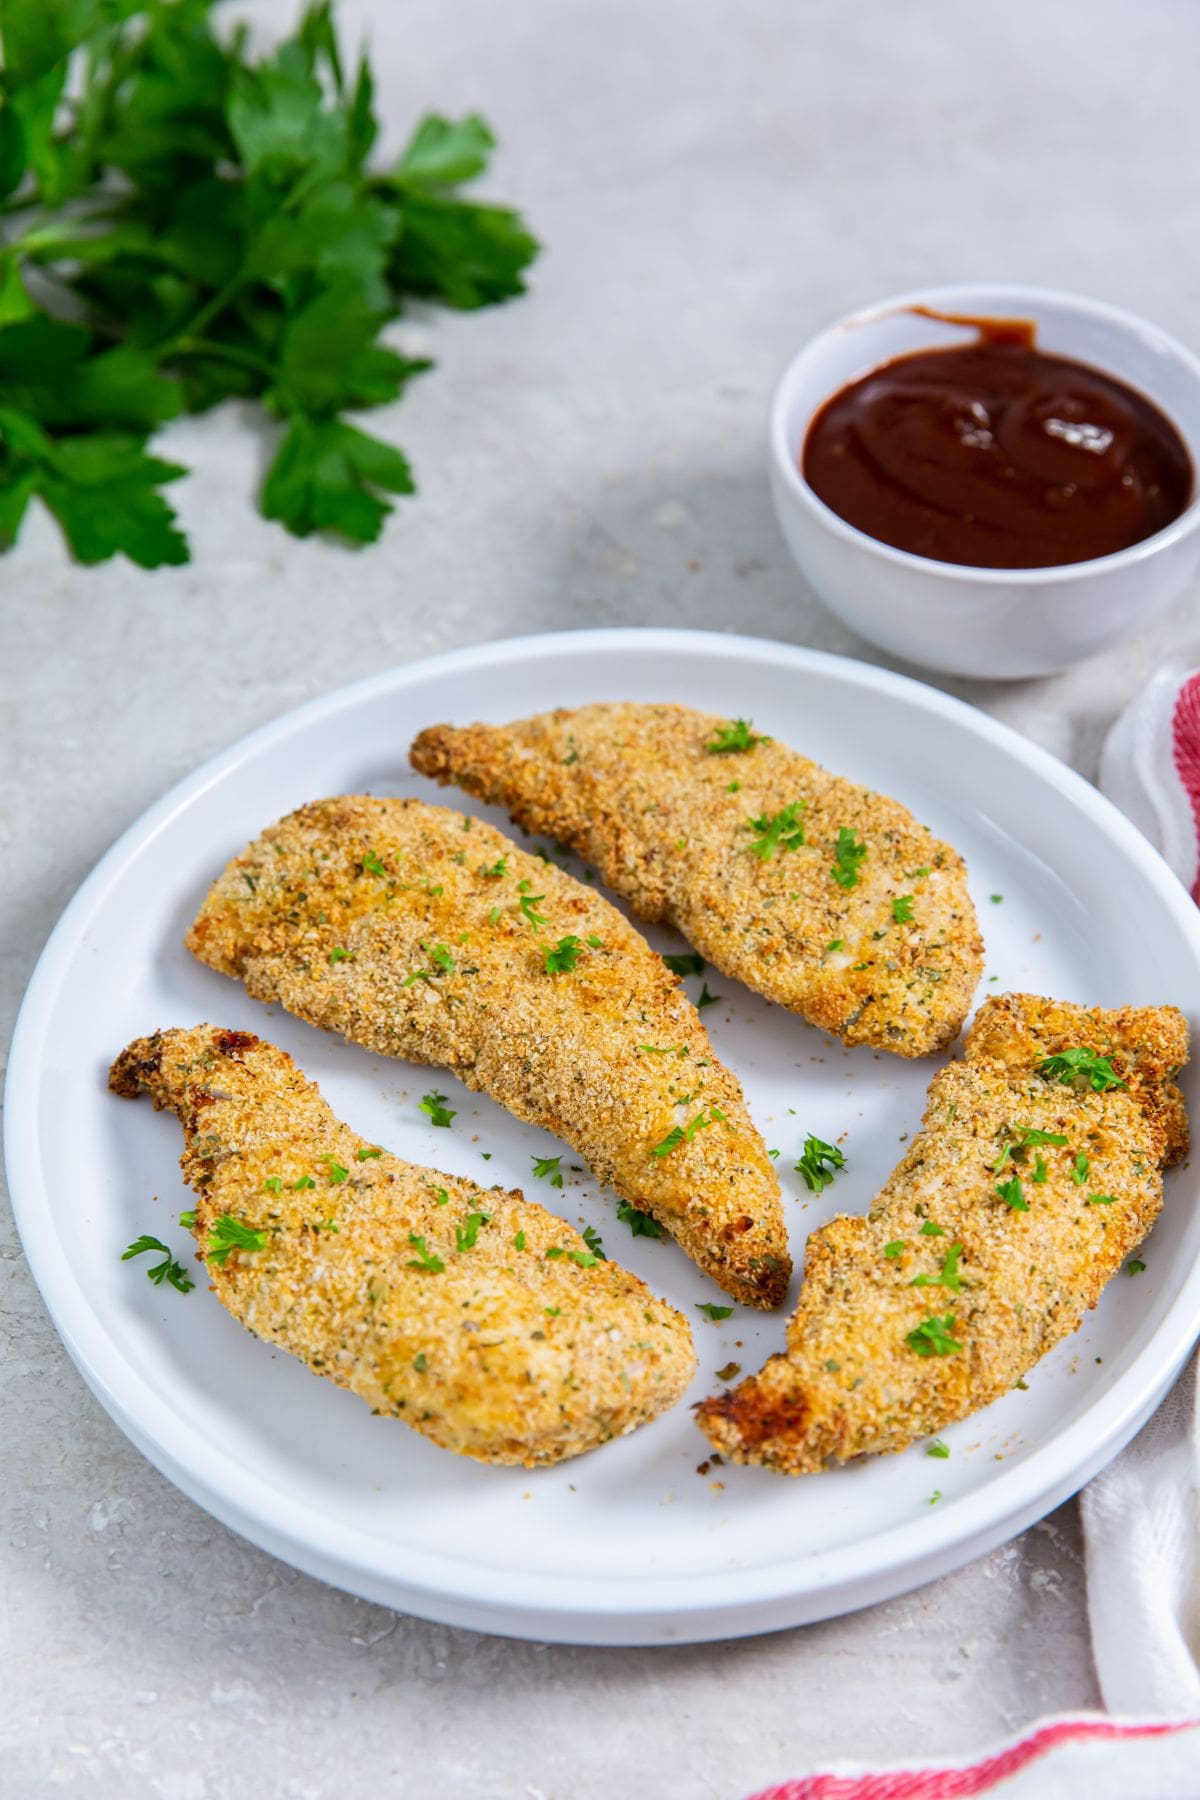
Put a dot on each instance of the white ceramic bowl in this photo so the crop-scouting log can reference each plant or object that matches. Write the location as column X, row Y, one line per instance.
column 985, row 622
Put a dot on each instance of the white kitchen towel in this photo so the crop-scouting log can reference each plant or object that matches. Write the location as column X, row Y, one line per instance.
column 1141, row 1515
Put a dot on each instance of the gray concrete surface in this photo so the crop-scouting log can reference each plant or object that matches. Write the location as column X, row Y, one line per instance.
column 712, row 183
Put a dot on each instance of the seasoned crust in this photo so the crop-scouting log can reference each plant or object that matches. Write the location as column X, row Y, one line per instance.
column 1020, row 1275
column 422, row 934
column 504, row 1353
column 635, row 790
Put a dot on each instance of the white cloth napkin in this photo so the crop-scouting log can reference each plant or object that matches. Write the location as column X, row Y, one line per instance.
column 1141, row 1515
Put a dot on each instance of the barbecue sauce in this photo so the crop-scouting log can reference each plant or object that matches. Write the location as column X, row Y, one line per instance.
column 997, row 455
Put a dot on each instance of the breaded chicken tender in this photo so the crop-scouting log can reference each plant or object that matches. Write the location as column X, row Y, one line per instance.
column 819, row 894
column 1036, row 1172
column 421, row 933
column 476, row 1317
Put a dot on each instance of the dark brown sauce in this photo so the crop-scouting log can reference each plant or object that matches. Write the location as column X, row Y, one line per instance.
column 996, row 455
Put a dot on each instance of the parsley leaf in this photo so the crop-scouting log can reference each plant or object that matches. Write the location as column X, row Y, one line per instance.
column 947, row 1276
column 734, row 738
column 782, row 832
column 848, row 855
column 641, row 1224
column 228, row 1234
column 934, row 1337
column 819, row 1164
column 546, row 1168
column 712, row 1311
column 425, row 1258
column 561, row 960
column 591, row 1238
column 706, row 999
column 902, row 909
column 1012, row 1194
column 691, row 964
column 1081, row 1064
column 439, row 1113
column 467, row 1234
column 683, row 1134
column 167, row 1270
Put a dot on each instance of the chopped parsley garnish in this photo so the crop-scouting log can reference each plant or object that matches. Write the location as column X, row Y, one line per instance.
column 1135, row 1267
column 929, row 1229
column 546, row 1168
column 919, row 874
column 435, row 1105
column 1079, row 1169
column 498, row 868
column 937, row 1448
column 441, row 956
column 729, row 1371
column 519, row 1241
column 848, row 855
column 902, row 909
column 587, row 1259
column 812, row 1164
column 274, row 1184
column 640, row 1223
column 230, row 1234
column 935, row 1496
column 1040, row 1171
column 836, row 944
column 564, row 956
column 734, row 787
column 1069, row 1065
column 1019, row 1139
column 712, row 1311
column 897, row 1247
column 1012, row 1194
column 417, row 975
column 679, row 1050
column 302, row 1182
column 691, row 964
column 371, row 864
column 338, row 954
column 466, row 1234
column 934, row 1337
column 731, row 739
column 591, row 1238
column 167, row 1270
column 337, row 1173
column 425, row 1258
column 782, row 832
column 706, row 999
column 529, row 904
column 996, row 899
column 365, row 1153
column 420, row 1362
column 188, row 1219
column 683, row 1134
column 947, row 1275
column 327, row 1225
column 1102, row 1200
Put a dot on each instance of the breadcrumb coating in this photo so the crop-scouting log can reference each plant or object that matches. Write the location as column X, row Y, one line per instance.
column 477, row 1317
column 889, row 959
column 421, row 933
column 958, row 1281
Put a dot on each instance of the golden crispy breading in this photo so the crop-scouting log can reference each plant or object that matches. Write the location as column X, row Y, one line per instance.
column 1019, row 1198
column 704, row 840
column 420, row 933
column 476, row 1317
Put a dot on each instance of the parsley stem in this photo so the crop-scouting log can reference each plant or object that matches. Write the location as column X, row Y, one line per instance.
column 207, row 313
column 230, row 353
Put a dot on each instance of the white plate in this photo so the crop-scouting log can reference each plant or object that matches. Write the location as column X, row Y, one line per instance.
column 631, row 1544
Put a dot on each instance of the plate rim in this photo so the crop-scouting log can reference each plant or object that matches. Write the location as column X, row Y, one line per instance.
column 578, row 1609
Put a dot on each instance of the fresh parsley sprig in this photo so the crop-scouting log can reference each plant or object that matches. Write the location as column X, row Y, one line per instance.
column 819, row 1164
column 734, row 739
column 167, row 1270
column 782, row 831
column 1069, row 1066
column 190, row 223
